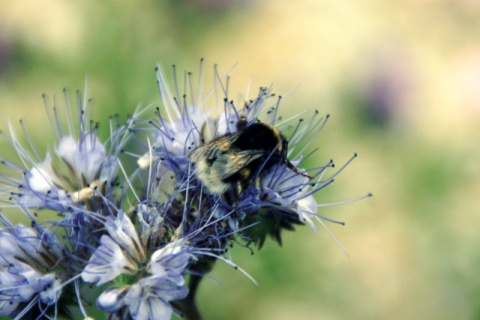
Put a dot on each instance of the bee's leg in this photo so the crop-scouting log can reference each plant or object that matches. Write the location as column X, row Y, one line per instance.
column 231, row 196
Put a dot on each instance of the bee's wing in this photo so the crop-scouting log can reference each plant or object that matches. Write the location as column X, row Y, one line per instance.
column 197, row 153
column 219, row 160
column 214, row 173
column 213, row 149
column 235, row 161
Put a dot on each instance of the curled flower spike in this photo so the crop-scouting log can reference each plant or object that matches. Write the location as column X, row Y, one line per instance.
column 137, row 240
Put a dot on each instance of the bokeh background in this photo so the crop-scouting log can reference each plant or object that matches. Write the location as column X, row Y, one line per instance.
column 401, row 80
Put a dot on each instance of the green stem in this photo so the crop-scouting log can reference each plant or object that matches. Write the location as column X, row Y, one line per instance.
column 188, row 306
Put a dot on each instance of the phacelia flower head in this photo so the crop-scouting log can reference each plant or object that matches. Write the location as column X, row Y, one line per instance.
column 138, row 229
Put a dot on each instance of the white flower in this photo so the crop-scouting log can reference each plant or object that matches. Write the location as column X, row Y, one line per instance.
column 75, row 168
column 107, row 262
column 24, row 259
column 170, row 262
column 124, row 233
column 150, row 297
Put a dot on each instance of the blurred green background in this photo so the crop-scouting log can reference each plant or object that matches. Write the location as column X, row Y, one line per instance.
column 401, row 80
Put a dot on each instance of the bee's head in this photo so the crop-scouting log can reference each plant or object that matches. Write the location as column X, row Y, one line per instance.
column 242, row 123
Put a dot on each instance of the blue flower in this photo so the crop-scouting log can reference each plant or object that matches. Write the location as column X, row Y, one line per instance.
column 150, row 297
column 79, row 165
column 70, row 176
column 29, row 275
column 108, row 262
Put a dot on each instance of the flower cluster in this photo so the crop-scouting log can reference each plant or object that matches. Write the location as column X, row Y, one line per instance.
column 158, row 202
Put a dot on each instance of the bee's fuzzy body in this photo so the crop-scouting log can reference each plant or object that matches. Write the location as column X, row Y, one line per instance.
column 234, row 160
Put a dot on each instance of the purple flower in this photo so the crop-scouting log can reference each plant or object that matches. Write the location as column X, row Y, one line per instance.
column 28, row 274
column 149, row 298
column 108, row 262
column 79, row 168
column 71, row 174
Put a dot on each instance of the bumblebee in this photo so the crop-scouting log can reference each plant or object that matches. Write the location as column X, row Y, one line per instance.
column 236, row 159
